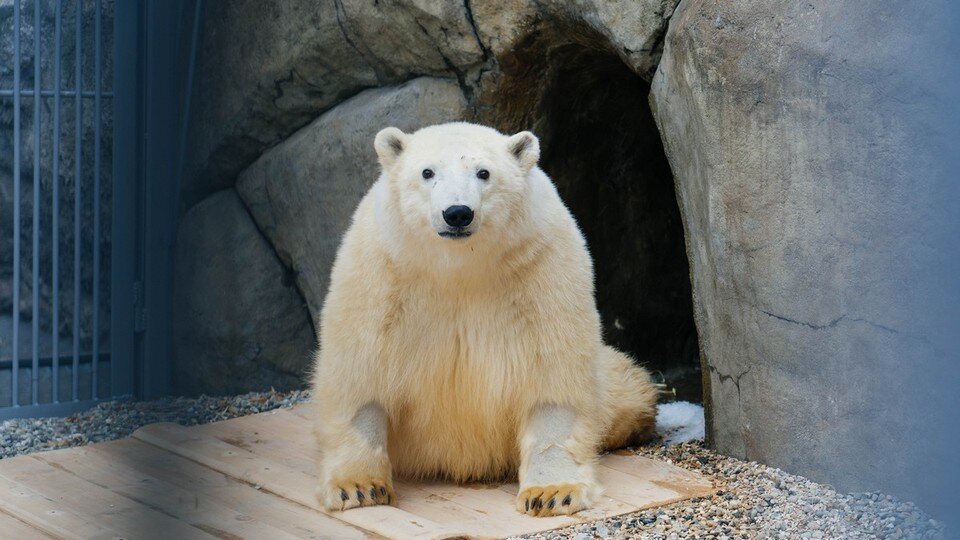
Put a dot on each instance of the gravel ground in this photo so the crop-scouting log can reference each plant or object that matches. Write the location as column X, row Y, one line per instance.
column 118, row 419
column 754, row 501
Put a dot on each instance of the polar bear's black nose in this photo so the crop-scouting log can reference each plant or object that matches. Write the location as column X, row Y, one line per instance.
column 458, row 215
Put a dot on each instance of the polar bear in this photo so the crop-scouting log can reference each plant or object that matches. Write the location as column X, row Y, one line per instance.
column 460, row 337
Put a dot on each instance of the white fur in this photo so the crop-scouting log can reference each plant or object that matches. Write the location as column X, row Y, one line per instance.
column 483, row 353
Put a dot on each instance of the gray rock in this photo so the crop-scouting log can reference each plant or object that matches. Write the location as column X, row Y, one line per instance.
column 240, row 323
column 266, row 69
column 633, row 29
column 802, row 154
column 402, row 38
column 303, row 192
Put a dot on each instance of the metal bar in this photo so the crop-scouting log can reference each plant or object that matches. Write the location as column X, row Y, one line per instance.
column 55, row 225
column 77, row 181
column 46, row 361
column 4, row 93
column 35, row 307
column 96, row 199
column 127, row 36
column 15, row 373
column 144, row 208
column 142, row 240
column 188, row 91
column 161, row 122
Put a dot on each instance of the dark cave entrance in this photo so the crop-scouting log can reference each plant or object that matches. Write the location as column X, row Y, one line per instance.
column 602, row 148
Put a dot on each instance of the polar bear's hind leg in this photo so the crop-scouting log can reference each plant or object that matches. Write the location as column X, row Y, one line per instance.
column 629, row 400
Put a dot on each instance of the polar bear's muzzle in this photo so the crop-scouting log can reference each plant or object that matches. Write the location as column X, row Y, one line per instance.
column 455, row 200
column 457, row 217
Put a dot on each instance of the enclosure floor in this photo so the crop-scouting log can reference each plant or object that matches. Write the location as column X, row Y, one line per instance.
column 253, row 477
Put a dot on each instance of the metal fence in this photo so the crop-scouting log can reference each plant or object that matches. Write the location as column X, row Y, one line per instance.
column 69, row 184
column 94, row 104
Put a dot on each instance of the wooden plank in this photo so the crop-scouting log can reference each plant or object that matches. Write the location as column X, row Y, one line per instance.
column 11, row 527
column 287, row 438
column 647, row 483
column 196, row 478
column 282, row 433
column 277, row 434
column 498, row 503
column 303, row 410
column 684, row 483
column 631, row 483
column 281, row 480
column 180, row 488
column 65, row 505
column 44, row 513
column 637, row 492
column 288, row 433
column 254, row 477
column 665, row 475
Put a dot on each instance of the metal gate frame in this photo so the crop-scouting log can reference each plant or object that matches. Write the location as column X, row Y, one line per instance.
column 159, row 69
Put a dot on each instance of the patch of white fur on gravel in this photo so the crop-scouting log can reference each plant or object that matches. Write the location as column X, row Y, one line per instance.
column 680, row 421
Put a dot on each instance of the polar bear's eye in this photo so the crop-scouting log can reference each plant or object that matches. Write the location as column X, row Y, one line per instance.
column 427, row 174
column 483, row 174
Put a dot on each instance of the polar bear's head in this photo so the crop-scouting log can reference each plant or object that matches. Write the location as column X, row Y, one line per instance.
column 457, row 181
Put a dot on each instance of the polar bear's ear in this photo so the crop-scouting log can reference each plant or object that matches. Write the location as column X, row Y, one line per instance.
column 389, row 143
column 525, row 147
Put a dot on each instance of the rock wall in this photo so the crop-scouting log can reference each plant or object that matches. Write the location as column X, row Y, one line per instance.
column 240, row 323
column 798, row 135
column 289, row 96
column 802, row 139
column 269, row 68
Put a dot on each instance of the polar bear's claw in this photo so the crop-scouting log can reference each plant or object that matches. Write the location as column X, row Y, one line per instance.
column 345, row 495
column 552, row 500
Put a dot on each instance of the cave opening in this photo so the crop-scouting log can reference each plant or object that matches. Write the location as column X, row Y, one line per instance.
column 601, row 147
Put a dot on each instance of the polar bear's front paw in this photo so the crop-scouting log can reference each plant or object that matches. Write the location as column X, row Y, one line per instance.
column 353, row 492
column 553, row 499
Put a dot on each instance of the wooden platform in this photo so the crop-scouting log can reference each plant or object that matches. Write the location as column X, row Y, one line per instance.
column 253, row 477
